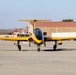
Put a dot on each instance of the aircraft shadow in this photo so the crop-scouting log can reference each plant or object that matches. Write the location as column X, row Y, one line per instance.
column 47, row 50
column 51, row 50
column 63, row 49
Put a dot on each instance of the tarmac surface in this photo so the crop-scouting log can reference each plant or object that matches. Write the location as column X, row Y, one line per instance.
column 30, row 62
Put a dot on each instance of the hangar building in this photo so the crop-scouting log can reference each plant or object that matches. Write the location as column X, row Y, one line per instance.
column 51, row 27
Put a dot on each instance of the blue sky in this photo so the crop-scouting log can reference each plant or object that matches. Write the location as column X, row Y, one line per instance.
column 13, row 10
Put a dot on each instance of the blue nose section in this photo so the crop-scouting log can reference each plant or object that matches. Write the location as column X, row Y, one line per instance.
column 38, row 34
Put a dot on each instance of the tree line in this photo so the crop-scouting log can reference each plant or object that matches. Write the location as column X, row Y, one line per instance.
column 68, row 20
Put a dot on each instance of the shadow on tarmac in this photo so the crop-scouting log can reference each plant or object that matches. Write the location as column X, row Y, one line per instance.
column 47, row 50
column 64, row 49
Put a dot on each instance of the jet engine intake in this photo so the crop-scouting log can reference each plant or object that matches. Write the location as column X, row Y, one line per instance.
column 60, row 42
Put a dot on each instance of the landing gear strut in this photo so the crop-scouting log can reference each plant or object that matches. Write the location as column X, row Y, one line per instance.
column 29, row 44
column 55, row 46
column 19, row 46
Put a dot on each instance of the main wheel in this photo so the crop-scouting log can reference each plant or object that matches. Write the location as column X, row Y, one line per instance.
column 54, row 47
column 19, row 47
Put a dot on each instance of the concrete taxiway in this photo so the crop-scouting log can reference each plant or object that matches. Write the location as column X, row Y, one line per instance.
column 30, row 62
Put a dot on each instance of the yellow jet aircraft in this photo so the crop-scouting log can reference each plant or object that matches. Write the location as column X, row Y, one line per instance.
column 38, row 37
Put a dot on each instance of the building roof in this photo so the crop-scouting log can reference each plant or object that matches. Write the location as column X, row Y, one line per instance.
column 55, row 24
column 18, row 30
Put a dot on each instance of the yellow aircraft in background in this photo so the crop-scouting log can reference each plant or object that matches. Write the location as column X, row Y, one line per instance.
column 38, row 37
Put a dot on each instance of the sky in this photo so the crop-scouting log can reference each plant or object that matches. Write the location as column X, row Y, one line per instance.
column 55, row 10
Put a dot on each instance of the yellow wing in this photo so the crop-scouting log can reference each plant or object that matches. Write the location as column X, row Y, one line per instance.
column 29, row 39
column 60, row 38
column 15, row 39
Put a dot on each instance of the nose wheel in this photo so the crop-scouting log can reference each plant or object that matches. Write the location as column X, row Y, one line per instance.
column 38, row 48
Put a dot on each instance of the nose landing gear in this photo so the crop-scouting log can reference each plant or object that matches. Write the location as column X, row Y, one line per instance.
column 38, row 48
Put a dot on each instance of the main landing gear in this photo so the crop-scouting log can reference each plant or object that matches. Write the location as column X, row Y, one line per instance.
column 18, row 45
column 55, row 46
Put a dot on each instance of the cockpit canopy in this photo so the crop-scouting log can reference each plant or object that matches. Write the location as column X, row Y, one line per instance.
column 38, row 34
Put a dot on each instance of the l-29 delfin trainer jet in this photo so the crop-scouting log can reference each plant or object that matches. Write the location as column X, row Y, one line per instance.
column 37, row 37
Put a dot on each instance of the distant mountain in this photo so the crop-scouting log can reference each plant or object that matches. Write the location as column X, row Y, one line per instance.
column 5, row 31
